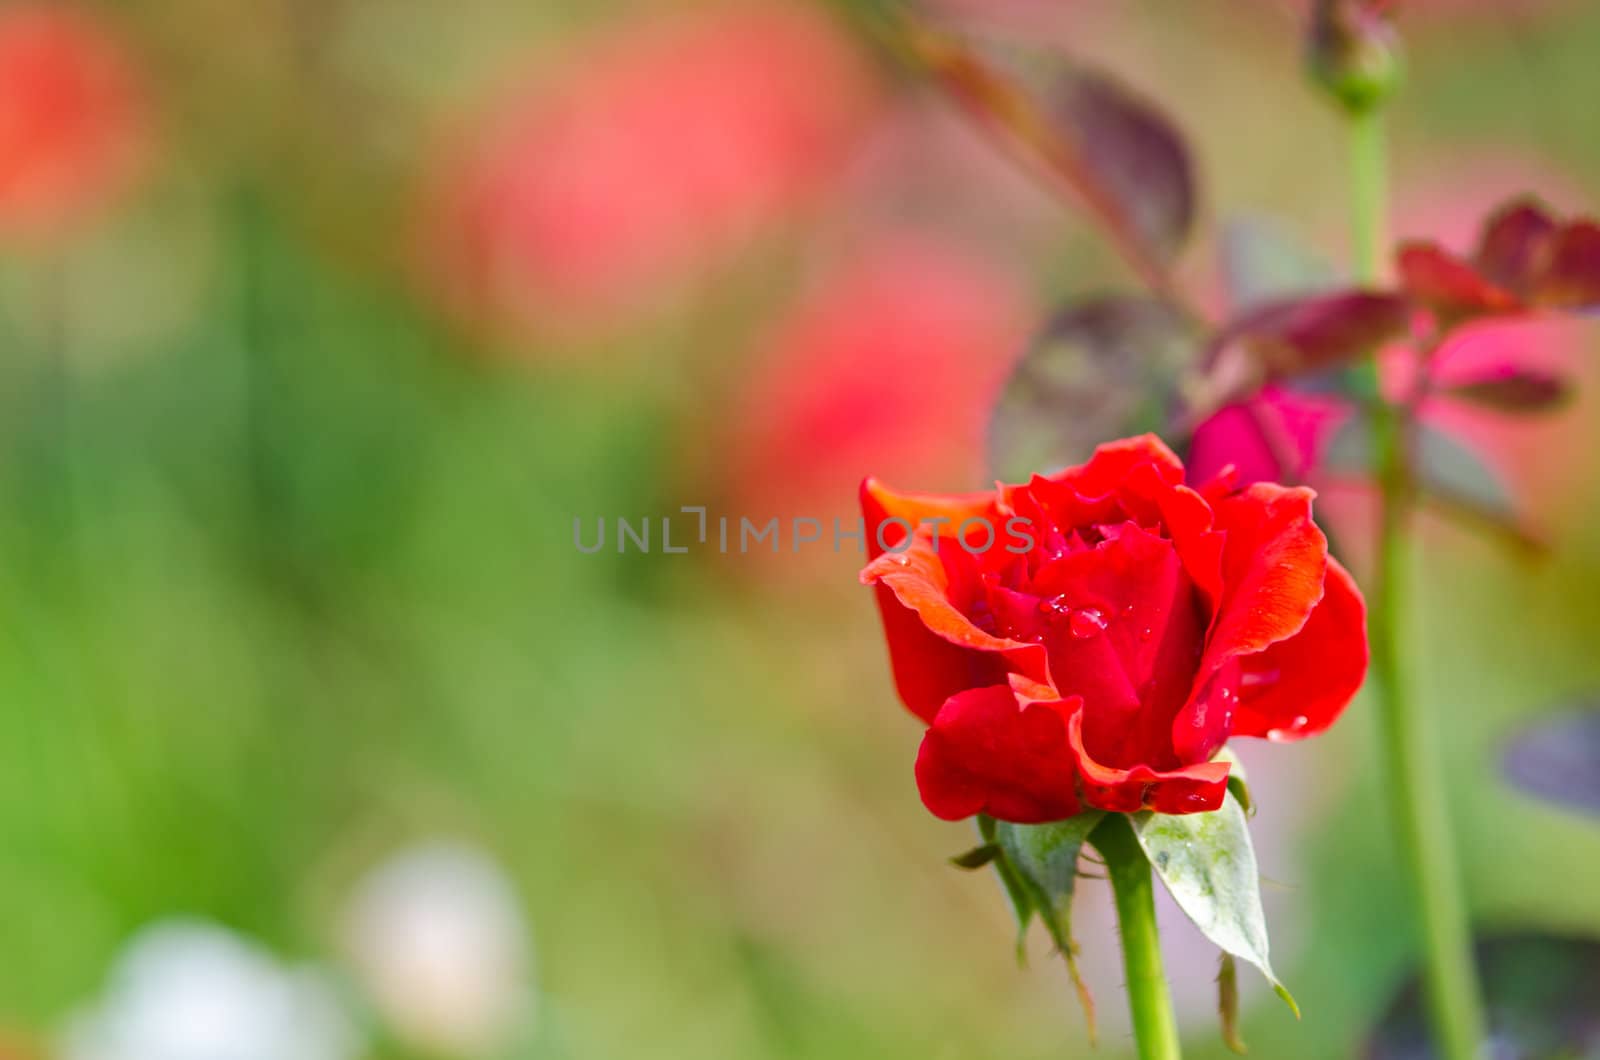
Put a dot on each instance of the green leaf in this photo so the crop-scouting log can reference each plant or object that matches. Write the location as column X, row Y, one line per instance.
column 1209, row 866
column 1238, row 783
column 1228, row 1004
column 1046, row 857
column 977, row 857
column 1022, row 906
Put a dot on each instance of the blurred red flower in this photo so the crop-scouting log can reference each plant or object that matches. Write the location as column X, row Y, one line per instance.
column 72, row 118
column 654, row 151
column 1094, row 637
column 848, row 377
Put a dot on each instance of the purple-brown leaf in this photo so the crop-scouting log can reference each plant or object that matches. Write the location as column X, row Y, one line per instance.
column 1513, row 389
column 1131, row 152
column 1103, row 368
column 1571, row 280
column 1514, row 242
column 1313, row 333
column 1117, row 153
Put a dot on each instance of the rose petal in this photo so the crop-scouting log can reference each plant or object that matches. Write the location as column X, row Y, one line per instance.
column 986, row 752
column 880, row 503
column 1134, row 663
column 1273, row 566
column 935, row 650
column 1189, row 789
column 1106, row 470
column 1300, row 686
column 1206, row 721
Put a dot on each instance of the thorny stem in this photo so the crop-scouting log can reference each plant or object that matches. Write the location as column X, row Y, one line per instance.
column 1413, row 776
column 1155, row 1028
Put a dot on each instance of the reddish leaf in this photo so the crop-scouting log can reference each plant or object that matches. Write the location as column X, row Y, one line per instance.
column 1132, row 152
column 1525, row 261
column 1515, row 389
column 1572, row 278
column 1444, row 282
column 1309, row 334
column 1115, row 151
column 1514, row 242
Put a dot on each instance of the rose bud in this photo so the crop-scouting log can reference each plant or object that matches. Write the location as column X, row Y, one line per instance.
column 1353, row 52
column 1094, row 637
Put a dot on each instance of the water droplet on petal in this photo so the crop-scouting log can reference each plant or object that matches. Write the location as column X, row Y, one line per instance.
column 1087, row 623
column 1056, row 605
column 1146, row 633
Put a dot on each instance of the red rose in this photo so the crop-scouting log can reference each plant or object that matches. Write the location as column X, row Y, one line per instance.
column 1094, row 637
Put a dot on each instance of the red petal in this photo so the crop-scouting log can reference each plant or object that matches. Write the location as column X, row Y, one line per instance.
column 986, row 752
column 1299, row 687
column 1135, row 670
column 880, row 503
column 1514, row 242
column 1433, row 275
column 1111, row 463
column 1188, row 517
column 934, row 649
column 1190, row 789
column 1273, row 567
column 1572, row 279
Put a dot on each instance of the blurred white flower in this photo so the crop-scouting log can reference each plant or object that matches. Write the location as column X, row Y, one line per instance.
column 438, row 941
column 192, row 990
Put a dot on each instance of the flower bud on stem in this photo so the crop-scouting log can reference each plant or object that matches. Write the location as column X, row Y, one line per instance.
column 1419, row 810
column 1155, row 1028
column 1353, row 53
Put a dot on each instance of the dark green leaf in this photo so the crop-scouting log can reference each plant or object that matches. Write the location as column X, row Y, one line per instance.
column 977, row 857
column 1209, row 866
column 1105, row 368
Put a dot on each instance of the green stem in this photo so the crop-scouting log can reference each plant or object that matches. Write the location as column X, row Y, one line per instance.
column 1369, row 193
column 1413, row 775
column 1155, row 1027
